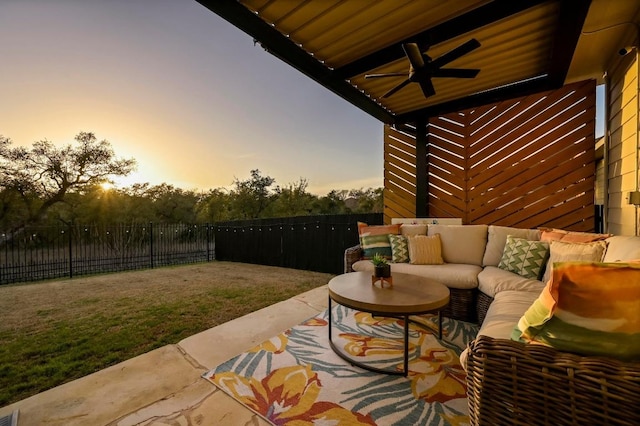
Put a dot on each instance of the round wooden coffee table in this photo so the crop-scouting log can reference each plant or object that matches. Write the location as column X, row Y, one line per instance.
column 409, row 295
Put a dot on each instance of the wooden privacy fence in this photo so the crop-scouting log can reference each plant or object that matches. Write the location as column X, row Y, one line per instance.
column 525, row 162
column 313, row 243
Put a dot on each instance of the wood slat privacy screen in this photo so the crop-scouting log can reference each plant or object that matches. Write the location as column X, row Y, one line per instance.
column 526, row 162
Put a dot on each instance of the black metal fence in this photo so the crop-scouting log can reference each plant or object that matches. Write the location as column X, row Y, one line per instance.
column 313, row 243
column 37, row 253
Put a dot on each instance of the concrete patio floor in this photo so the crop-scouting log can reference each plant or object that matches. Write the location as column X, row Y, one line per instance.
column 164, row 386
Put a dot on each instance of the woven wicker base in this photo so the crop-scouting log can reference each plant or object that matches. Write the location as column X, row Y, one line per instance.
column 511, row 383
column 462, row 305
column 483, row 304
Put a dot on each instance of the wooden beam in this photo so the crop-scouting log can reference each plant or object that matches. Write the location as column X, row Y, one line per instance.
column 462, row 24
column 571, row 19
column 511, row 91
column 286, row 50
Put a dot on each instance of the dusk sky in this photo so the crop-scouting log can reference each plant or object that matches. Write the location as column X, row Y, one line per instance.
column 179, row 89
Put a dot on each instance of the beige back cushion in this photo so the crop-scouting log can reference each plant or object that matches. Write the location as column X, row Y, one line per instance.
column 461, row 243
column 498, row 238
column 560, row 251
column 408, row 229
column 622, row 248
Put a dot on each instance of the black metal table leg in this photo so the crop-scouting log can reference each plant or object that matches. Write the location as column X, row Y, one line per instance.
column 406, row 345
column 329, row 318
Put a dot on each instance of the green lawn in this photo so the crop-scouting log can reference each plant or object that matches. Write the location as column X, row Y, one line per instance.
column 56, row 331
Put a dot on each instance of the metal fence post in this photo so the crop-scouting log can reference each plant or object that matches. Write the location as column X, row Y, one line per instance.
column 70, row 253
column 151, row 244
column 208, row 242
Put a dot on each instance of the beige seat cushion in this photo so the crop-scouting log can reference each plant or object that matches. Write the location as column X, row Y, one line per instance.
column 493, row 280
column 461, row 243
column 452, row 275
column 503, row 315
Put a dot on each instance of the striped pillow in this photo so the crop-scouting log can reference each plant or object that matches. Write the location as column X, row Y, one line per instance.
column 587, row 308
column 375, row 244
column 375, row 239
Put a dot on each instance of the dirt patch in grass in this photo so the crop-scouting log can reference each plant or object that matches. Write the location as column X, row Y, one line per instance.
column 56, row 331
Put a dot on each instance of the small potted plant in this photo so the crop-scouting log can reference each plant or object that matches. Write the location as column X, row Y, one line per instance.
column 381, row 266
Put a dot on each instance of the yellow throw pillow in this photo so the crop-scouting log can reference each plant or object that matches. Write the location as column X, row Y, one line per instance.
column 587, row 308
column 425, row 250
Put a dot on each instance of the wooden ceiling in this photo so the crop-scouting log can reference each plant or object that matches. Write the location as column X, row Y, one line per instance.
column 527, row 46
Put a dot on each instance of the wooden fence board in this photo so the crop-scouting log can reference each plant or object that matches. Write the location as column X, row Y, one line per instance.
column 527, row 161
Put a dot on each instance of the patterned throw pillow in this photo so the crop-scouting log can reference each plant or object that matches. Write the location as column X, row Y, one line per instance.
column 375, row 239
column 399, row 248
column 559, row 251
column 425, row 250
column 589, row 308
column 525, row 258
column 375, row 244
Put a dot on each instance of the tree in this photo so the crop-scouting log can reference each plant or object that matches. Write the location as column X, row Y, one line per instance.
column 293, row 200
column 251, row 197
column 173, row 205
column 215, row 206
column 368, row 201
column 44, row 175
column 332, row 203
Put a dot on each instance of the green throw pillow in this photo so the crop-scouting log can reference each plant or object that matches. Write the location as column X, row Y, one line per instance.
column 399, row 248
column 375, row 244
column 525, row 258
column 588, row 308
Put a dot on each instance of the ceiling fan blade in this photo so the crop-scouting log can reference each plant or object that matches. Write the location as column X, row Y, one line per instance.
column 455, row 72
column 391, row 74
column 454, row 54
column 415, row 56
column 395, row 89
column 427, row 87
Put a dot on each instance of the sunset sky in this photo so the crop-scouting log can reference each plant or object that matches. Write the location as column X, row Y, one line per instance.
column 179, row 89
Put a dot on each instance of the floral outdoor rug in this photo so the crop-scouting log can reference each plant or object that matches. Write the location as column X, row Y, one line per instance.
column 296, row 378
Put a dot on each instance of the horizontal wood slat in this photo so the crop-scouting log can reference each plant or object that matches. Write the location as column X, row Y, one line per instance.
column 395, row 171
column 399, row 174
column 544, row 135
column 526, row 162
column 524, row 180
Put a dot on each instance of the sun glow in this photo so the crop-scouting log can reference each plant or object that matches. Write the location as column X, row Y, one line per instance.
column 106, row 186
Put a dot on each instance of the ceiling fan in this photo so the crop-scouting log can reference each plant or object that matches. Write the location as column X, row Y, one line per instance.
column 423, row 68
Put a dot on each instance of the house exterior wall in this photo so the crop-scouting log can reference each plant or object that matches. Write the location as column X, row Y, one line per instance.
column 622, row 151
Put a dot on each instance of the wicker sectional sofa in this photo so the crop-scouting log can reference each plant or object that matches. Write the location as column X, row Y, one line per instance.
column 510, row 382
column 463, row 263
